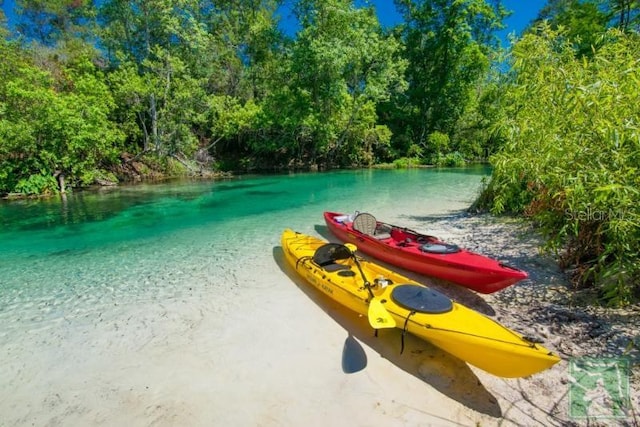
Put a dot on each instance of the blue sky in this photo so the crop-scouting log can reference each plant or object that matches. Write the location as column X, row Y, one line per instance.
column 524, row 11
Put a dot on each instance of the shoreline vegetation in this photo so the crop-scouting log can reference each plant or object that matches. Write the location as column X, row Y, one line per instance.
column 547, row 306
column 139, row 169
column 203, row 90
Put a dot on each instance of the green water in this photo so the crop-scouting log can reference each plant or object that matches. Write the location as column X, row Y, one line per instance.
column 84, row 222
column 135, row 243
column 160, row 237
column 101, row 291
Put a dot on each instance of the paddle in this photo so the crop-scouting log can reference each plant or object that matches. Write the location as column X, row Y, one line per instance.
column 378, row 315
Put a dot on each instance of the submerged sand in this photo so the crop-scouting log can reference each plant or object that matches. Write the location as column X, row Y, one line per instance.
column 255, row 346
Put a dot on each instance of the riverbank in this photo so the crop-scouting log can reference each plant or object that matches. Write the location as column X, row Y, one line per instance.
column 544, row 306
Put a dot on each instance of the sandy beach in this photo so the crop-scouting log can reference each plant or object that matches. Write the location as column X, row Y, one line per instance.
column 259, row 347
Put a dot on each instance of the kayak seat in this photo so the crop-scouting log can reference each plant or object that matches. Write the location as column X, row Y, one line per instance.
column 326, row 255
column 367, row 224
column 421, row 299
column 383, row 231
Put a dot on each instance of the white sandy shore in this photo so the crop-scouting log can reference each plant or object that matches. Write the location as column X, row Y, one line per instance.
column 277, row 353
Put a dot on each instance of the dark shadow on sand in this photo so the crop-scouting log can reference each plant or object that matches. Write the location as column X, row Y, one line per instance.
column 354, row 358
column 442, row 371
column 458, row 293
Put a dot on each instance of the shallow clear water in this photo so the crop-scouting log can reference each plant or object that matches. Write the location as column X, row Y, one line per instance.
column 98, row 276
column 88, row 221
column 144, row 242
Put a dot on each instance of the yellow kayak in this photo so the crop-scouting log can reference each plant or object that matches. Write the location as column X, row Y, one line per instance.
column 392, row 300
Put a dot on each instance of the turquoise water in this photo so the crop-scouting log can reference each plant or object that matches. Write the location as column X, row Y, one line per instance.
column 121, row 276
column 89, row 221
column 124, row 238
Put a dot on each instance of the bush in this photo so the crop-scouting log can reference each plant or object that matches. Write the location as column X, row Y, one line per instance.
column 406, row 162
column 454, row 159
column 572, row 156
column 41, row 184
column 414, row 151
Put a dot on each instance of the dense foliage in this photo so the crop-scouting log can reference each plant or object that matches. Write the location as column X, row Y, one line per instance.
column 449, row 47
column 335, row 73
column 51, row 128
column 572, row 157
column 216, row 85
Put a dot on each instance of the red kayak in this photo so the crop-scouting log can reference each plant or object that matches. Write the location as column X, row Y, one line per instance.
column 421, row 253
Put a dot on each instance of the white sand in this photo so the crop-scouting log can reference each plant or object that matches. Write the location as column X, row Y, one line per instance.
column 279, row 365
column 275, row 360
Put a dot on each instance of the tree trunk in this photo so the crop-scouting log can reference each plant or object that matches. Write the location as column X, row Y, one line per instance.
column 153, row 112
column 59, row 176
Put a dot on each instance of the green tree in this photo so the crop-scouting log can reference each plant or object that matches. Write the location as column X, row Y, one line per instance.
column 244, row 40
column 242, row 64
column 448, row 46
column 51, row 22
column 4, row 32
column 582, row 22
column 341, row 66
column 151, row 44
column 53, row 131
column 625, row 14
column 179, row 66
